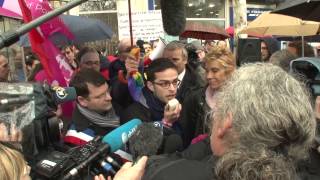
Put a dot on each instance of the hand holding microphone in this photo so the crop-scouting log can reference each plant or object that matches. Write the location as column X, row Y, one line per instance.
column 129, row 172
column 172, row 111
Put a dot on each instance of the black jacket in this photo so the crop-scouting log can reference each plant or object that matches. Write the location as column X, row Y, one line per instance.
column 196, row 162
column 190, row 82
column 193, row 116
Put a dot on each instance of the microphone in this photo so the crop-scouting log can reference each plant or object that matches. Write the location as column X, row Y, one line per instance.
column 120, row 135
column 111, row 142
column 113, row 162
column 61, row 95
column 173, row 16
column 107, row 167
column 15, row 100
column 146, row 141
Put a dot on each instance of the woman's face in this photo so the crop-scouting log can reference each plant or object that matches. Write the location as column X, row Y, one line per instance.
column 216, row 74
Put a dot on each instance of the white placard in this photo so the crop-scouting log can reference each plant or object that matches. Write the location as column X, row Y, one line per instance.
column 145, row 25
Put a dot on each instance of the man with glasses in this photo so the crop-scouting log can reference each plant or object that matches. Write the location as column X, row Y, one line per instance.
column 93, row 114
column 161, row 87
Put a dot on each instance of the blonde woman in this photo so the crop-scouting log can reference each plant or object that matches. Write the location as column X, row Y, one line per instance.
column 219, row 64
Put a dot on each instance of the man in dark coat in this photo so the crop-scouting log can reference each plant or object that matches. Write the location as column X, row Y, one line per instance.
column 176, row 52
column 93, row 114
column 160, row 88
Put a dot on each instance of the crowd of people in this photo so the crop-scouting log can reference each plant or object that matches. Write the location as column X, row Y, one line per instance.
column 256, row 121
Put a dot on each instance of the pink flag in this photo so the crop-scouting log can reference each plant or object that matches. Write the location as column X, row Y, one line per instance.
column 57, row 70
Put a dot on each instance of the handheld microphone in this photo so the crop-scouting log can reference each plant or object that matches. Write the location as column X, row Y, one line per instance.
column 63, row 94
column 120, row 135
column 146, row 141
column 173, row 16
column 111, row 142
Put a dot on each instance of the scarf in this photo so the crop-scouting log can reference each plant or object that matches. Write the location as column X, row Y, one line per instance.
column 154, row 104
column 110, row 119
column 210, row 98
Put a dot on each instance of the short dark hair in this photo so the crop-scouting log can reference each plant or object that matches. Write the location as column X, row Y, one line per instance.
column 81, row 79
column 308, row 50
column 159, row 65
column 84, row 51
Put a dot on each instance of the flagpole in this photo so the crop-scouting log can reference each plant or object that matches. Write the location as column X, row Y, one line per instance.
column 10, row 37
column 130, row 22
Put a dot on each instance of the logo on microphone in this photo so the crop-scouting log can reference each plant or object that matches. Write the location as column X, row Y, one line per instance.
column 60, row 92
column 124, row 137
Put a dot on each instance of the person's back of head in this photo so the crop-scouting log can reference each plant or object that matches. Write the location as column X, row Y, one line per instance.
column 271, row 114
column 282, row 58
column 12, row 163
column 254, row 163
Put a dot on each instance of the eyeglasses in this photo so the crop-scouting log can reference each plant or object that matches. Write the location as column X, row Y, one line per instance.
column 166, row 84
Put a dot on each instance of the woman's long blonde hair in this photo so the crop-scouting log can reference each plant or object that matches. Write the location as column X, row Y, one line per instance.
column 12, row 163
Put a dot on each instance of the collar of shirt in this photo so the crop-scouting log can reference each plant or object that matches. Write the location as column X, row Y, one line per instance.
column 181, row 75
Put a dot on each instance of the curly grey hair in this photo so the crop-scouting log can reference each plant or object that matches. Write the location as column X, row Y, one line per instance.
column 270, row 108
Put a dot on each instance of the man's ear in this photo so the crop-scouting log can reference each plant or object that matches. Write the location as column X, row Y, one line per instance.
column 82, row 101
column 226, row 126
column 150, row 86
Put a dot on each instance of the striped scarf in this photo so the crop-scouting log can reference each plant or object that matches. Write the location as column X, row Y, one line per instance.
column 108, row 120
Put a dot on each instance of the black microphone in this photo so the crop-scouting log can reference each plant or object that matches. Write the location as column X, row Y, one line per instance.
column 15, row 100
column 146, row 141
column 173, row 16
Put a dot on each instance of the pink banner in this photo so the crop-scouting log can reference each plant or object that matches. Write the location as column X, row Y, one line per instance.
column 59, row 68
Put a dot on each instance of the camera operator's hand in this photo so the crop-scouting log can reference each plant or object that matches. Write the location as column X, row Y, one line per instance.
column 129, row 172
column 14, row 136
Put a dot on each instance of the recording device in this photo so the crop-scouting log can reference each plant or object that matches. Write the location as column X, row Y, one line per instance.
column 111, row 142
column 70, row 165
column 21, row 103
column 173, row 16
column 309, row 68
